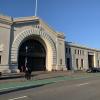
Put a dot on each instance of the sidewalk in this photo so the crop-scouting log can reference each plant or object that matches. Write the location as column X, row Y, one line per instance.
column 38, row 74
column 14, row 77
column 10, row 82
column 39, row 79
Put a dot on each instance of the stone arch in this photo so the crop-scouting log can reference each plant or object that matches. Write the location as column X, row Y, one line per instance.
column 51, row 48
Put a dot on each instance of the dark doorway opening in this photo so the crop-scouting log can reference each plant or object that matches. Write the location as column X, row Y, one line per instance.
column 82, row 64
column 77, row 63
column 68, row 64
column 33, row 55
column 91, row 61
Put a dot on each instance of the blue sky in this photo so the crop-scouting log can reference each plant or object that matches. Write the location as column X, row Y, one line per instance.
column 78, row 19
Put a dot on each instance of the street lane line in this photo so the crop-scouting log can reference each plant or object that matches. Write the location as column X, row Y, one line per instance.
column 82, row 84
column 18, row 98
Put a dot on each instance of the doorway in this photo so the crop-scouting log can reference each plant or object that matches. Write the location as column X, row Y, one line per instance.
column 91, row 61
column 33, row 55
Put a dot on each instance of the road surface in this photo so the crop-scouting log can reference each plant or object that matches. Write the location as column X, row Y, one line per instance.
column 81, row 89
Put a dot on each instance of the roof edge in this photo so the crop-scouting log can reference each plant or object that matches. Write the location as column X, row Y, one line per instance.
column 81, row 46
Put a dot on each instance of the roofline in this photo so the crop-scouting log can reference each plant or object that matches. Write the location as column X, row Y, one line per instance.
column 6, row 19
column 80, row 46
column 59, row 34
column 25, row 19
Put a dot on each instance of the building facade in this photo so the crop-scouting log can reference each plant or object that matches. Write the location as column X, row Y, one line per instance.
column 79, row 57
column 29, row 41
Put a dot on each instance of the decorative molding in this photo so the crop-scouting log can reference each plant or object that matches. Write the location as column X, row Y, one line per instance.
column 26, row 33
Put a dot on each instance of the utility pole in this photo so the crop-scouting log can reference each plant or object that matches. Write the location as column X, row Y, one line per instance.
column 36, row 7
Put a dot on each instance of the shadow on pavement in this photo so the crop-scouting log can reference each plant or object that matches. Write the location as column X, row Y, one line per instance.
column 23, row 88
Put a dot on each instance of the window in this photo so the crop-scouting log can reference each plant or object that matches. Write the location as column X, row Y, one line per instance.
column 75, row 51
column 66, row 50
column 69, row 50
column 0, row 59
column 78, row 51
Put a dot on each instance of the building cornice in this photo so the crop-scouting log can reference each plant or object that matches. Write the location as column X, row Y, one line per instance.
column 25, row 19
column 81, row 46
column 21, row 20
column 6, row 20
column 50, row 29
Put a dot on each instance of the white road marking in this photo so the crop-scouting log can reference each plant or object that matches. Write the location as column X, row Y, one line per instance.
column 82, row 84
column 18, row 98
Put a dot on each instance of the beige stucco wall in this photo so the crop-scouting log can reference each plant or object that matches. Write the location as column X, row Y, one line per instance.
column 73, row 56
column 5, row 41
column 60, row 44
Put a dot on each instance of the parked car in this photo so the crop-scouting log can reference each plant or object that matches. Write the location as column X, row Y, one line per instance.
column 93, row 69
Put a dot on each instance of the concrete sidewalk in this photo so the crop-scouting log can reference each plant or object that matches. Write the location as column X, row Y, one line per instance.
column 39, row 79
column 9, row 82
column 38, row 74
column 35, row 75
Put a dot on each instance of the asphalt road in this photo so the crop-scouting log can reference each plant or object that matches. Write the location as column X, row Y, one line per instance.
column 82, row 89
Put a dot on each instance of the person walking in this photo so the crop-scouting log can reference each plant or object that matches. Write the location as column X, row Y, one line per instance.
column 28, row 73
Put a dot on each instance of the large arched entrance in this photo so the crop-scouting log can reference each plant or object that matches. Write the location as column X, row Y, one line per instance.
column 45, row 40
column 32, row 54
